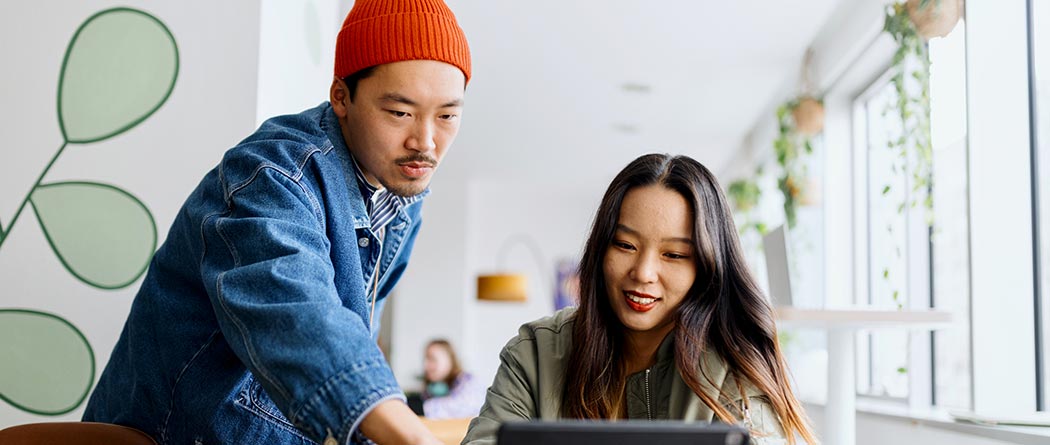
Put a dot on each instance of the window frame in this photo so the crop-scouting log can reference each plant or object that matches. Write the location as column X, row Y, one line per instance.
column 920, row 356
column 1041, row 306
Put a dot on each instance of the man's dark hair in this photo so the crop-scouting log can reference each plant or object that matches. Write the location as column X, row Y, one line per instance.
column 352, row 80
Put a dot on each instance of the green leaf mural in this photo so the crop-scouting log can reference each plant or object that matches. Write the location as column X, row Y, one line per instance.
column 119, row 69
column 46, row 365
column 102, row 234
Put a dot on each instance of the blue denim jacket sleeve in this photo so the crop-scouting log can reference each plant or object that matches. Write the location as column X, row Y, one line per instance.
column 270, row 281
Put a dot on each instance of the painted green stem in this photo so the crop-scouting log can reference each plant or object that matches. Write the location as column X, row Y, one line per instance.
column 22, row 206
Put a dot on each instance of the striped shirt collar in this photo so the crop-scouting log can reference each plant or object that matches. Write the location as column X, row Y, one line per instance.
column 382, row 205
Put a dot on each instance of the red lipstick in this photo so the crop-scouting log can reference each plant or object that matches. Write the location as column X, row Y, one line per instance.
column 640, row 306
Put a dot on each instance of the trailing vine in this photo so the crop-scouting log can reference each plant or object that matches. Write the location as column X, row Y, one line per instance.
column 911, row 81
column 745, row 195
column 789, row 146
column 912, row 146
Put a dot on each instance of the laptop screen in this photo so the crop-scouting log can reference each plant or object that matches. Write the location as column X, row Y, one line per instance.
column 577, row 432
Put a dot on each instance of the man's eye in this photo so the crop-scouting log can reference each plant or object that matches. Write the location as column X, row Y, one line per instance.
column 447, row 117
column 396, row 113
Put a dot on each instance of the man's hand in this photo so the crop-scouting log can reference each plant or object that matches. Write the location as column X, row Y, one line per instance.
column 393, row 423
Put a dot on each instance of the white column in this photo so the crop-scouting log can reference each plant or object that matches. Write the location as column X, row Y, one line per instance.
column 1000, row 206
column 840, row 418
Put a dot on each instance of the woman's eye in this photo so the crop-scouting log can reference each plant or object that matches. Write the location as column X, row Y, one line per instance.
column 676, row 256
column 623, row 245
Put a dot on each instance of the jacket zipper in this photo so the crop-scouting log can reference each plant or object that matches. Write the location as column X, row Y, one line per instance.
column 648, row 405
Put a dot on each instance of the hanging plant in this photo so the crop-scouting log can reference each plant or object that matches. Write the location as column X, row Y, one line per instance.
column 790, row 145
column 744, row 195
column 934, row 18
column 798, row 121
column 911, row 24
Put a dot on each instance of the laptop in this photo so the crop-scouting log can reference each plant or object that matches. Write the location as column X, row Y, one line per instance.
column 775, row 246
column 631, row 432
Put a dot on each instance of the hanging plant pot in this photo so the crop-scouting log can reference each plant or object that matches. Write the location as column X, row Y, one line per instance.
column 809, row 116
column 935, row 18
column 811, row 193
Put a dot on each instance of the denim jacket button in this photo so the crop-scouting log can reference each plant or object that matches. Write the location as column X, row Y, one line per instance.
column 330, row 441
column 363, row 242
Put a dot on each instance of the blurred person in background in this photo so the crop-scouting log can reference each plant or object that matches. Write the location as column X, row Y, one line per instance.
column 450, row 392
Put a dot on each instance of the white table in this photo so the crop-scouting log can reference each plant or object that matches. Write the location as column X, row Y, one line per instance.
column 840, row 411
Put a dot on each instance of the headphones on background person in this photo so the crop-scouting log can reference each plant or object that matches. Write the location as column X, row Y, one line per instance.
column 437, row 389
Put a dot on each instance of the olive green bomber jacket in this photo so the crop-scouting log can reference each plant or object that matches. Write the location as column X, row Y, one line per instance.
column 529, row 385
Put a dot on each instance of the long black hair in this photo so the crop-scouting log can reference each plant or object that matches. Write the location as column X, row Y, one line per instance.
column 724, row 311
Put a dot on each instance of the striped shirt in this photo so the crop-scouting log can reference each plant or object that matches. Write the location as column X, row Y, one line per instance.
column 382, row 205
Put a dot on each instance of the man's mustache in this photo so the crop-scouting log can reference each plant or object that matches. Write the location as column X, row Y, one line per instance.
column 418, row 158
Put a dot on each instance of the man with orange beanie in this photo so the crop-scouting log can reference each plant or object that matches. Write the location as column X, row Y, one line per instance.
column 257, row 320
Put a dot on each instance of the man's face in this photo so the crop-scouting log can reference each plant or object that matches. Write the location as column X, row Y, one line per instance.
column 401, row 121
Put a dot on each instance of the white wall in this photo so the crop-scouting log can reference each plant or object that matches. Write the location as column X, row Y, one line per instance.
column 465, row 225
column 159, row 161
column 556, row 221
column 296, row 54
column 429, row 300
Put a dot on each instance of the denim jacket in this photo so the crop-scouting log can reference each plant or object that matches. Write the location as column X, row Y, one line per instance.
column 252, row 324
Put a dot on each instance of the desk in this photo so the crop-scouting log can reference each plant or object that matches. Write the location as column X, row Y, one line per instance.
column 841, row 325
column 448, row 431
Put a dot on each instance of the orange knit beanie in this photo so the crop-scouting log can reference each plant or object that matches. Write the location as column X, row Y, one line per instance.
column 386, row 31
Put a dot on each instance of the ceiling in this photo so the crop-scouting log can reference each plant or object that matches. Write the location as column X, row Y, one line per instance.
column 576, row 89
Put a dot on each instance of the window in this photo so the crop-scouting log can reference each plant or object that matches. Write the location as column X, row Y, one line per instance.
column 891, row 253
column 806, row 347
column 807, row 237
column 903, row 262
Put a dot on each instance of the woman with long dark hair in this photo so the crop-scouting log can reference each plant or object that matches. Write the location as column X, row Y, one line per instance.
column 671, row 324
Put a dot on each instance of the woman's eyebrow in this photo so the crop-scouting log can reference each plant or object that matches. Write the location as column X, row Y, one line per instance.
column 676, row 239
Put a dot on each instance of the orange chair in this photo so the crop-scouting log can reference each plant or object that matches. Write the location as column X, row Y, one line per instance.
column 73, row 433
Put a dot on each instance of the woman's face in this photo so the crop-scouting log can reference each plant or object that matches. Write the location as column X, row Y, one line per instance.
column 650, row 264
column 437, row 364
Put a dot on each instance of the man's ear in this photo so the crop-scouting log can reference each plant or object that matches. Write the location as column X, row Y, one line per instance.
column 338, row 96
